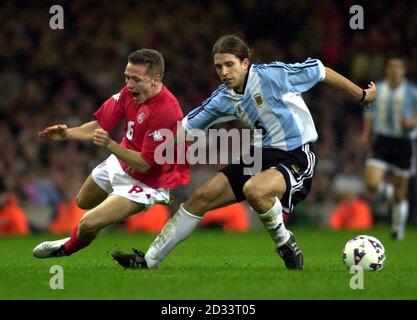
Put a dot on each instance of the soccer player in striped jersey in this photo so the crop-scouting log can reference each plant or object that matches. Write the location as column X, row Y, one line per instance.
column 267, row 97
column 391, row 121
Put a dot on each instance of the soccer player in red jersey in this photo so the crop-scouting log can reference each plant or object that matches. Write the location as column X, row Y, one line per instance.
column 129, row 180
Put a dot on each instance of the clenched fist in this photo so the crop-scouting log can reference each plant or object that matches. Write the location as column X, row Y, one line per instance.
column 102, row 138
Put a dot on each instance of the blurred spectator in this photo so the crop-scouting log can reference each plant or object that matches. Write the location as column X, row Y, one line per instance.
column 152, row 220
column 67, row 218
column 62, row 76
column 352, row 213
column 231, row 218
column 13, row 220
column 66, row 213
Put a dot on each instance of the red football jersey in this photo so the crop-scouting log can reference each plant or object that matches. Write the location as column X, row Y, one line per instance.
column 141, row 133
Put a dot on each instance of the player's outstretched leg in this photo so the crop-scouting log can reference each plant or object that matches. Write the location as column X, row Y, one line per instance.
column 112, row 210
column 178, row 228
column 61, row 248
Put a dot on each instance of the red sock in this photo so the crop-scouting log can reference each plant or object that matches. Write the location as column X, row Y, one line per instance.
column 75, row 244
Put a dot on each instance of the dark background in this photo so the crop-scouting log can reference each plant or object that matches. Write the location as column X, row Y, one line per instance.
column 62, row 76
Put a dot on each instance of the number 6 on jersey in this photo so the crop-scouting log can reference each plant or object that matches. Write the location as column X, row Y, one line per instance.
column 129, row 131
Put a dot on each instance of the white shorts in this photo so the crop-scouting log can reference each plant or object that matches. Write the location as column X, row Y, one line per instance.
column 110, row 176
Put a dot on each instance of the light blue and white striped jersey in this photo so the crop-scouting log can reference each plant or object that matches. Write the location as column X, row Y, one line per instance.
column 271, row 102
column 392, row 105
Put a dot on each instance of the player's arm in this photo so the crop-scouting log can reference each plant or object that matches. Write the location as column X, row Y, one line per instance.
column 364, row 96
column 366, row 135
column 133, row 158
column 62, row 132
column 212, row 110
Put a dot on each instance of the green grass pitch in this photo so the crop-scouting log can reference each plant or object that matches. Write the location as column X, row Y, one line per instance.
column 211, row 264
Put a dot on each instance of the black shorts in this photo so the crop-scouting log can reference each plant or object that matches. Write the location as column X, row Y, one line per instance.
column 297, row 167
column 396, row 153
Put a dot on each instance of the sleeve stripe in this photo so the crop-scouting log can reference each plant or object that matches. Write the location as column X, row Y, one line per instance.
column 296, row 68
column 193, row 112
column 289, row 67
column 197, row 110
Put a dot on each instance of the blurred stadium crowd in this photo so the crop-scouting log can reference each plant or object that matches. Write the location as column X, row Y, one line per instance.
column 62, row 76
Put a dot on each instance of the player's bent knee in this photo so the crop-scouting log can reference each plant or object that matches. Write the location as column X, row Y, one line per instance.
column 252, row 192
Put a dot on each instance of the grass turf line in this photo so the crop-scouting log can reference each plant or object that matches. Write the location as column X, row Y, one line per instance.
column 211, row 264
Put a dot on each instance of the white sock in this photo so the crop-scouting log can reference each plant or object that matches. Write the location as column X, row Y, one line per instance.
column 179, row 227
column 274, row 223
column 399, row 217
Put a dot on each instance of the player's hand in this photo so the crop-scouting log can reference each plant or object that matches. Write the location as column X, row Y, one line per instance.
column 102, row 138
column 370, row 95
column 56, row 132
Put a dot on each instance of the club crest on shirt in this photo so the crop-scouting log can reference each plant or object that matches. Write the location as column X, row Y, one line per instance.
column 157, row 136
column 258, row 99
column 141, row 117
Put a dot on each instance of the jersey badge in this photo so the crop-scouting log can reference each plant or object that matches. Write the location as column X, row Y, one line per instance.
column 141, row 117
column 258, row 99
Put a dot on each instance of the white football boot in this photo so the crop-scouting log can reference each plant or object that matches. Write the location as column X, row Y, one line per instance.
column 49, row 249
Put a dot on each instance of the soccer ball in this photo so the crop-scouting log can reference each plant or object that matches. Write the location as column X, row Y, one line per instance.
column 365, row 251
